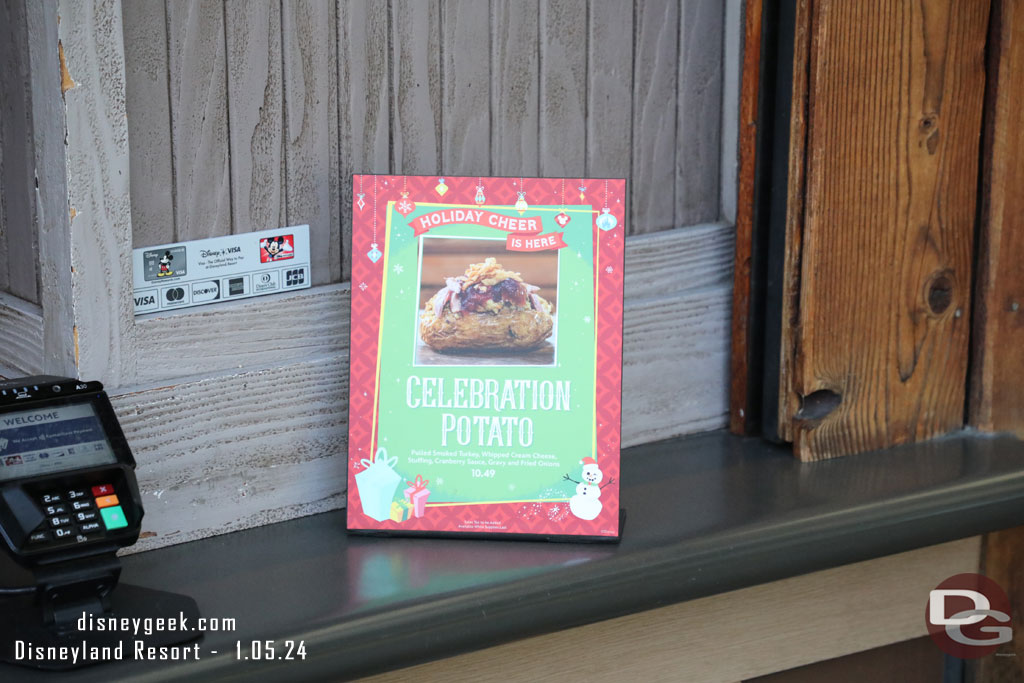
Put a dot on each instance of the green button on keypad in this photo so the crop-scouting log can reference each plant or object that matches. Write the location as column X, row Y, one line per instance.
column 113, row 518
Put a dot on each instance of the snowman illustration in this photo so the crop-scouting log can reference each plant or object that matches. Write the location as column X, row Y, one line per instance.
column 586, row 504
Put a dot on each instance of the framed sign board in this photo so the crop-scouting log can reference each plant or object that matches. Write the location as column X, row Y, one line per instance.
column 486, row 356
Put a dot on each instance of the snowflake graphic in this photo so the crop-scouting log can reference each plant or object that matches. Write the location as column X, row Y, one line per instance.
column 404, row 206
column 440, row 481
column 586, row 319
column 362, row 286
column 399, row 268
column 609, row 269
column 511, row 487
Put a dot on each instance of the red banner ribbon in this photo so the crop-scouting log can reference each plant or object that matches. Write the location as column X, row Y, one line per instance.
column 552, row 240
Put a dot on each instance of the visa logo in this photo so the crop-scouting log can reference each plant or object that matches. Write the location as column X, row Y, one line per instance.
column 233, row 250
column 146, row 301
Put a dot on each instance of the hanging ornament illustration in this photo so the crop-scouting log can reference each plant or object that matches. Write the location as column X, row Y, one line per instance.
column 583, row 192
column 441, row 188
column 480, row 199
column 405, row 206
column 360, row 203
column 521, row 205
column 374, row 254
column 607, row 221
column 562, row 218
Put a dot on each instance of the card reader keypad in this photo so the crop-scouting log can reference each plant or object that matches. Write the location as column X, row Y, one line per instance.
column 79, row 514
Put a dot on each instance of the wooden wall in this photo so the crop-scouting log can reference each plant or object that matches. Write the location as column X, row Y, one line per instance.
column 245, row 115
column 188, row 119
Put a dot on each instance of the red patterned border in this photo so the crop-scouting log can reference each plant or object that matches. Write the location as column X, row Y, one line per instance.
column 548, row 519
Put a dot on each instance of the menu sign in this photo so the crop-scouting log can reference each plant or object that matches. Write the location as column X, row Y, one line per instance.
column 486, row 347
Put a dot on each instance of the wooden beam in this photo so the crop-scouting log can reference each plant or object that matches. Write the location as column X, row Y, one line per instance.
column 997, row 372
column 742, row 385
column 997, row 377
column 882, row 234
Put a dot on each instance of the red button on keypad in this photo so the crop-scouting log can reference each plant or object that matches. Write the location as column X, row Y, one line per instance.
column 104, row 490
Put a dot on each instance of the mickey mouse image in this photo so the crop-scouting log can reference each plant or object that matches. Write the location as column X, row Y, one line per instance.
column 165, row 264
column 274, row 246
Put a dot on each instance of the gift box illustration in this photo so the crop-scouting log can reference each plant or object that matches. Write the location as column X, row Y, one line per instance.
column 400, row 511
column 377, row 484
column 417, row 494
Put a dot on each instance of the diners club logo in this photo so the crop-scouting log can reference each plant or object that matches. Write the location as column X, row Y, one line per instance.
column 968, row 616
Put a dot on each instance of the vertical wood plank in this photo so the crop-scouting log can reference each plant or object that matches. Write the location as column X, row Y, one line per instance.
column 52, row 222
column 4, row 84
column 416, row 86
column 309, row 140
column 149, row 121
column 610, row 91
column 742, row 398
column 465, row 82
column 364, row 109
column 199, row 118
column 699, row 118
column 788, row 400
column 997, row 376
column 654, row 115
column 255, row 115
column 732, row 63
column 1002, row 560
column 515, row 88
column 17, row 179
column 563, row 88
column 98, row 194
column 894, row 121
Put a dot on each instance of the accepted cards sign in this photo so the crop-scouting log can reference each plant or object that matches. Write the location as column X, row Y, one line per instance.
column 486, row 356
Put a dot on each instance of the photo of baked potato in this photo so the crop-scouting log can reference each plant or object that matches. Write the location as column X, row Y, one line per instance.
column 486, row 308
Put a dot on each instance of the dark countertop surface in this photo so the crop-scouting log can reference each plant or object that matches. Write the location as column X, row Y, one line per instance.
column 706, row 514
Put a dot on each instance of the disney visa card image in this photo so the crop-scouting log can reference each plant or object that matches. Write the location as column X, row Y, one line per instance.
column 486, row 356
column 186, row 274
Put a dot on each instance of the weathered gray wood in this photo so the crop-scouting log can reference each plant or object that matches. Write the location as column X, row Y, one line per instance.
column 364, row 109
column 416, row 86
column 52, row 223
column 98, row 193
column 610, row 90
column 465, row 82
column 149, row 121
column 255, row 333
column 199, row 118
column 277, row 452
column 268, row 461
column 563, row 88
column 309, row 140
column 698, row 154
column 255, row 92
column 515, row 88
column 3, row 220
column 21, row 335
column 732, row 57
column 17, row 172
column 250, row 333
column 654, row 115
